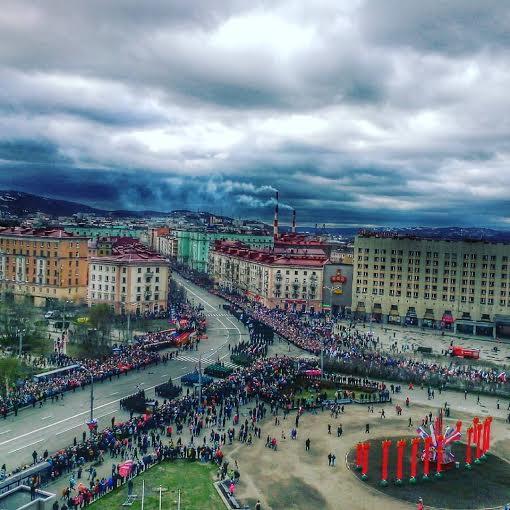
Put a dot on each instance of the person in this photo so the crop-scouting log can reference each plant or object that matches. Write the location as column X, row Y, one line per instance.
column 420, row 506
column 257, row 505
column 34, row 456
column 339, row 430
column 307, row 445
column 130, row 487
column 329, row 458
column 367, row 428
column 410, row 422
column 329, row 428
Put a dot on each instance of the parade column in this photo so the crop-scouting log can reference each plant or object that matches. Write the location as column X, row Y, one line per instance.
column 468, row 447
column 364, row 470
column 426, row 460
column 400, row 458
column 439, row 456
column 479, row 427
column 384, row 466
column 414, row 457
column 359, row 456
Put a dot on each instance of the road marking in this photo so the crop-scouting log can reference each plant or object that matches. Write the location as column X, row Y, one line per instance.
column 68, row 418
column 26, row 446
column 114, row 393
column 218, row 319
column 5, row 432
column 165, row 375
column 70, row 428
column 47, row 417
column 106, row 414
column 64, row 420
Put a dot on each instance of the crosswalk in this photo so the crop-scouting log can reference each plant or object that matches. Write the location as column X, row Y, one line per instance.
column 217, row 314
column 205, row 361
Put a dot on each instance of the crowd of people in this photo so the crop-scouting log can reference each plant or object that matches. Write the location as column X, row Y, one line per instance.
column 358, row 351
column 150, row 437
column 53, row 386
column 123, row 359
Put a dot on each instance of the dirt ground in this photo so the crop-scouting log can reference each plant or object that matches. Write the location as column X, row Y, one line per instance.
column 292, row 478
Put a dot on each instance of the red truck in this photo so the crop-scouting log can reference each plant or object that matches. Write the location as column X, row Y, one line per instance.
column 462, row 352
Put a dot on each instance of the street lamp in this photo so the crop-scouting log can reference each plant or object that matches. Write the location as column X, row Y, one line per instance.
column 129, row 321
column 20, row 342
column 83, row 367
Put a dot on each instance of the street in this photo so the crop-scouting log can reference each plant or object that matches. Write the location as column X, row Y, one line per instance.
column 56, row 424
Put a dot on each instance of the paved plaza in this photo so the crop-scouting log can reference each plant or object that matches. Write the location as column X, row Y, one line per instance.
column 293, row 479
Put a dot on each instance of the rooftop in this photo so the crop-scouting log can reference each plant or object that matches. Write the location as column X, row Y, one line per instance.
column 289, row 257
column 127, row 249
column 56, row 233
column 410, row 237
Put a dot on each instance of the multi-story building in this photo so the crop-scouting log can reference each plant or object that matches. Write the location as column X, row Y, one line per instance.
column 168, row 246
column 460, row 285
column 289, row 279
column 193, row 245
column 43, row 264
column 132, row 280
column 96, row 231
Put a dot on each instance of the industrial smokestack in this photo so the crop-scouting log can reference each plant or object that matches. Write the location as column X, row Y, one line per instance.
column 275, row 223
column 294, row 221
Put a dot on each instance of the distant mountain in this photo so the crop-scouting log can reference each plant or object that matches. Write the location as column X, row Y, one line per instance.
column 18, row 203
column 451, row 233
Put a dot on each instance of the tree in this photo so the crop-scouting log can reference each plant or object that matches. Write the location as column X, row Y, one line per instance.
column 101, row 319
column 10, row 370
column 19, row 317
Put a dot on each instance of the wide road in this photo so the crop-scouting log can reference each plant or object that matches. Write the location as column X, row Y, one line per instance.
column 56, row 424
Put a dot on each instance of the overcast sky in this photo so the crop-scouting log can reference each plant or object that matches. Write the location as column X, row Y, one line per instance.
column 359, row 112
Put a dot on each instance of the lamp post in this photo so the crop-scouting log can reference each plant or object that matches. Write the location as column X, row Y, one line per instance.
column 129, row 321
column 20, row 342
column 83, row 367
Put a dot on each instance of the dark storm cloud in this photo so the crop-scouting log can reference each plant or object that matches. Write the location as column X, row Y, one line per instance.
column 369, row 112
column 453, row 27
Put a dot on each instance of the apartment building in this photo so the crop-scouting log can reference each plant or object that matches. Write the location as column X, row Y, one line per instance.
column 43, row 264
column 459, row 285
column 133, row 280
column 193, row 245
column 285, row 279
column 168, row 246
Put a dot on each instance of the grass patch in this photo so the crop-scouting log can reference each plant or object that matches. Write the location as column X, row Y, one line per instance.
column 193, row 478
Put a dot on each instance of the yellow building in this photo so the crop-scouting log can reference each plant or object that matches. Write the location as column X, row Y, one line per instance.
column 43, row 264
column 134, row 280
column 458, row 285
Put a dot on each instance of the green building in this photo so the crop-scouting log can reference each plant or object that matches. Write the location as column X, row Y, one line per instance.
column 94, row 232
column 193, row 246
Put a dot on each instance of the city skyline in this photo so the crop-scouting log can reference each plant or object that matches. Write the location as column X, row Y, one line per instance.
column 355, row 116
